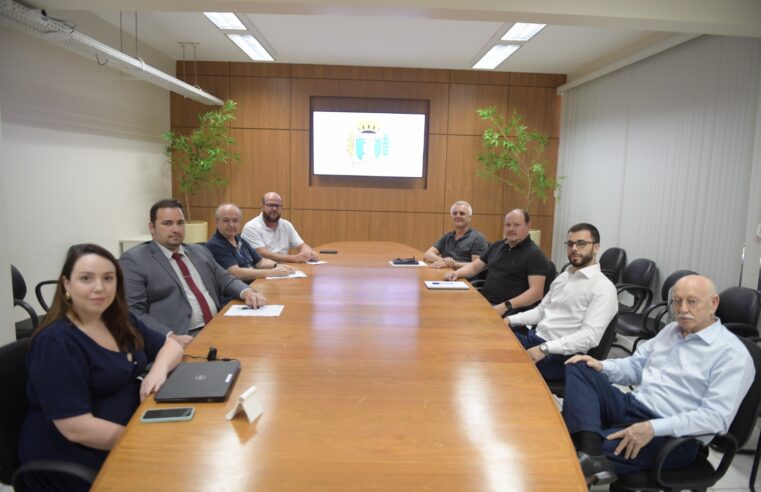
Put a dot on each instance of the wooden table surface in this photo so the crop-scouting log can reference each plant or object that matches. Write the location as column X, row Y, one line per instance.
column 369, row 381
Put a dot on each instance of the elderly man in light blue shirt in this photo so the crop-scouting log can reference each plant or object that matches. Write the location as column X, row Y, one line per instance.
column 691, row 379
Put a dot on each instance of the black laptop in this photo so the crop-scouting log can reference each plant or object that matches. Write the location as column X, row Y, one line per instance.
column 199, row 382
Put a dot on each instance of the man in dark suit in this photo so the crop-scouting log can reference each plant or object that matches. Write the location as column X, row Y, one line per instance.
column 176, row 288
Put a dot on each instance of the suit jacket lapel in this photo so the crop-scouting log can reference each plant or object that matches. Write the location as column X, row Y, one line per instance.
column 162, row 260
column 208, row 280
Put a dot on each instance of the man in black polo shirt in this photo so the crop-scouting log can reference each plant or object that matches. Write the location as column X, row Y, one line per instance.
column 458, row 247
column 517, row 267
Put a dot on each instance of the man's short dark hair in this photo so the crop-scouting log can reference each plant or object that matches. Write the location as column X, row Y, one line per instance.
column 583, row 226
column 165, row 203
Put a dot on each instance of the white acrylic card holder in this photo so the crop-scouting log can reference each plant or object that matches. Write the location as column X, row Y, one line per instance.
column 249, row 403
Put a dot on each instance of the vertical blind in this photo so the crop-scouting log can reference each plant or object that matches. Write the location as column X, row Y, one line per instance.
column 658, row 155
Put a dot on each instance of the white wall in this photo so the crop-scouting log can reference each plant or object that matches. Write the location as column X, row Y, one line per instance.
column 659, row 155
column 82, row 156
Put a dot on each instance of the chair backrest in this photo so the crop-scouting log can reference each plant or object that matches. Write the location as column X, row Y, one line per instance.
column 14, row 407
column 739, row 309
column 639, row 272
column 550, row 277
column 19, row 285
column 745, row 419
column 671, row 280
column 601, row 351
column 612, row 263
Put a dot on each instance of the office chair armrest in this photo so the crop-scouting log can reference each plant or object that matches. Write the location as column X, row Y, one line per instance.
column 726, row 443
column 662, row 308
column 744, row 330
column 30, row 311
column 478, row 284
column 636, row 291
column 40, row 297
column 69, row 468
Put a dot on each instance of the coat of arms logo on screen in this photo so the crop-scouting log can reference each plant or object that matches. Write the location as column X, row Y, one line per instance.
column 368, row 144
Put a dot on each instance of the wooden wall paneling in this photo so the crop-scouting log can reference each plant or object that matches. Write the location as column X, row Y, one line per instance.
column 205, row 197
column 418, row 230
column 553, row 80
column 184, row 112
column 318, row 227
column 207, row 214
column 465, row 99
column 490, row 225
column 248, row 69
column 370, row 73
column 538, row 106
column 544, row 223
column 262, row 102
column 265, row 166
column 301, row 91
column 479, row 77
column 462, row 183
column 366, row 194
column 188, row 68
column 511, row 199
column 251, row 213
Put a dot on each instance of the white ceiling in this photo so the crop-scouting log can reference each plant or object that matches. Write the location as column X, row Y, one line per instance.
column 581, row 36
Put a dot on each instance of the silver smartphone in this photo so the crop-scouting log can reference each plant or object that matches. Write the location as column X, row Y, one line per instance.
column 176, row 414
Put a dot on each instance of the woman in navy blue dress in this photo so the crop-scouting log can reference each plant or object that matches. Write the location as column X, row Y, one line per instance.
column 83, row 365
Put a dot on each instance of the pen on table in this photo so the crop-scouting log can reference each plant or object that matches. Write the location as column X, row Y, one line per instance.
column 250, row 307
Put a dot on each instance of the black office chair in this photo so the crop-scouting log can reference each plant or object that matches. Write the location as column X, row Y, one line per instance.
column 12, row 413
column 39, row 292
column 600, row 352
column 550, row 277
column 647, row 324
column 739, row 308
column 636, row 282
column 612, row 263
column 25, row 327
column 701, row 474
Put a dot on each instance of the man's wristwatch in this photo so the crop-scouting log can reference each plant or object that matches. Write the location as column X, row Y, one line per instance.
column 543, row 348
column 509, row 305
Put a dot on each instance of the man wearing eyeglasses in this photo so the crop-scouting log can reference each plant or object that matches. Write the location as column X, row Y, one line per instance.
column 691, row 379
column 459, row 246
column 272, row 236
column 572, row 317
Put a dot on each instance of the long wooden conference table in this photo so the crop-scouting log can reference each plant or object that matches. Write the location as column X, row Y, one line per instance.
column 369, row 381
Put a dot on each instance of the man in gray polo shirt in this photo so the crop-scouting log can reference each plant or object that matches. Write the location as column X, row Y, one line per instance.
column 459, row 246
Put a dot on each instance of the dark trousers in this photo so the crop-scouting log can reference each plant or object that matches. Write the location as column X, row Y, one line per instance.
column 551, row 367
column 592, row 404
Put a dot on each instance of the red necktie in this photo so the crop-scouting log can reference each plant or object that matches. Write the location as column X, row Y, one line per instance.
column 193, row 287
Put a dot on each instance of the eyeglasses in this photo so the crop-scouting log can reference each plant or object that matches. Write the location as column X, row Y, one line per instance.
column 580, row 244
column 691, row 302
column 272, row 205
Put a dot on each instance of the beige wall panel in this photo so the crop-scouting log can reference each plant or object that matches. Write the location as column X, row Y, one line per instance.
column 413, row 229
column 318, row 227
column 538, row 106
column 184, row 112
column 370, row 73
column 465, row 99
column 367, row 194
column 265, row 166
column 207, row 214
column 262, row 102
column 511, row 199
column 248, row 69
column 483, row 194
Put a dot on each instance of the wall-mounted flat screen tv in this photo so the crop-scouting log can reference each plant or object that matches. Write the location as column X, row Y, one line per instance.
column 389, row 144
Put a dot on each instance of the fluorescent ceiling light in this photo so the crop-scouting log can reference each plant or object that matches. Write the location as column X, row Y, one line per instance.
column 495, row 56
column 251, row 46
column 225, row 20
column 63, row 34
column 522, row 31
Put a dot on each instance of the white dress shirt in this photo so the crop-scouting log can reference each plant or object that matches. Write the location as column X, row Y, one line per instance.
column 197, row 320
column 279, row 241
column 573, row 315
column 695, row 383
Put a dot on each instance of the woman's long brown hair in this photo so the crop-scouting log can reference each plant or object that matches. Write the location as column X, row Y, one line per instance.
column 115, row 317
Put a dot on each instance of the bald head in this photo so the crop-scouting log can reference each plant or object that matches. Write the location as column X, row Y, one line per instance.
column 694, row 301
column 271, row 196
column 228, row 220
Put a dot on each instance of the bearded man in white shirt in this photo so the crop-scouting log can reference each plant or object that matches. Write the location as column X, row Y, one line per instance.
column 572, row 317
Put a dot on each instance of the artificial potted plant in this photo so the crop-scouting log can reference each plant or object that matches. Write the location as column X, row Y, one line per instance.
column 515, row 155
column 195, row 159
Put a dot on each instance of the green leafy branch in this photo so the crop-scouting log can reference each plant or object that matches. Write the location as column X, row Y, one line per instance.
column 194, row 158
column 509, row 144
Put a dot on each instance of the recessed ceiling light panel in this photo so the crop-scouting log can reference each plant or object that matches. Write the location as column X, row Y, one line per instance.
column 225, row 20
column 495, row 56
column 522, row 31
column 251, row 46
